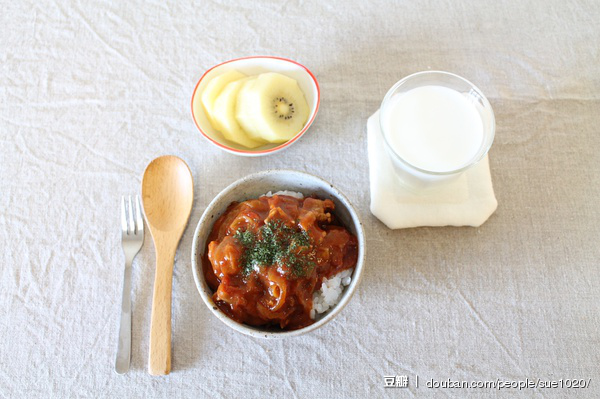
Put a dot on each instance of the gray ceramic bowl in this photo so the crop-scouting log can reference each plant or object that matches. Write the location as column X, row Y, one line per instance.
column 253, row 186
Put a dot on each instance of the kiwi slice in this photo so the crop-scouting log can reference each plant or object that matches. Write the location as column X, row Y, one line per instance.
column 271, row 107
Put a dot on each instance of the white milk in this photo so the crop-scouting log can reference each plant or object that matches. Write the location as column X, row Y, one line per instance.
column 433, row 128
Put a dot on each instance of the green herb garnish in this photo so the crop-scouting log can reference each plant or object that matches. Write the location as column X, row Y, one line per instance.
column 276, row 244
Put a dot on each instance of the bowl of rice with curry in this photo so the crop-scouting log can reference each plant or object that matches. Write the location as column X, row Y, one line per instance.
column 278, row 253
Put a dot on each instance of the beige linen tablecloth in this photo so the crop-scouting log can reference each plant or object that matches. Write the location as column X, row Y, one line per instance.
column 90, row 92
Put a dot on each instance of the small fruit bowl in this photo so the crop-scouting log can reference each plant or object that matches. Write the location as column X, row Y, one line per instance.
column 253, row 66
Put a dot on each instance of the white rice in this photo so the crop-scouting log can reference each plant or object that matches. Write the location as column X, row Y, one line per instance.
column 285, row 192
column 331, row 290
column 330, row 293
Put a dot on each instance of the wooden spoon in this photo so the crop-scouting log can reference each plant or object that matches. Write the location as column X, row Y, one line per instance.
column 167, row 194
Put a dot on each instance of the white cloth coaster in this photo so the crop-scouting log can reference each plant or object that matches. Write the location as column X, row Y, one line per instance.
column 466, row 201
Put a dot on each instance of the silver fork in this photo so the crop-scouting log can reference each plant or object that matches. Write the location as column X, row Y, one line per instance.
column 132, row 229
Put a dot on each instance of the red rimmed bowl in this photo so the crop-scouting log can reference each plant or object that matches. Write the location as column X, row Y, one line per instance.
column 252, row 66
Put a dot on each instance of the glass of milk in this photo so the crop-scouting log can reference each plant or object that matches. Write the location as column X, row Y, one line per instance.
column 435, row 125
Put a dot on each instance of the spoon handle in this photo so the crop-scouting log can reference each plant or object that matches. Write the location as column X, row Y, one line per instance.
column 160, row 326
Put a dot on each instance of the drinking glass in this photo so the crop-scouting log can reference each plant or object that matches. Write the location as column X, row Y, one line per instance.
column 415, row 176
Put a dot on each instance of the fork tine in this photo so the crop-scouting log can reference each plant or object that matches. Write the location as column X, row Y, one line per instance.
column 139, row 223
column 130, row 213
column 123, row 216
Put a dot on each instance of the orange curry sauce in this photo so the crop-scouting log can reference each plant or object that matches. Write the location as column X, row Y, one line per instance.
column 278, row 294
